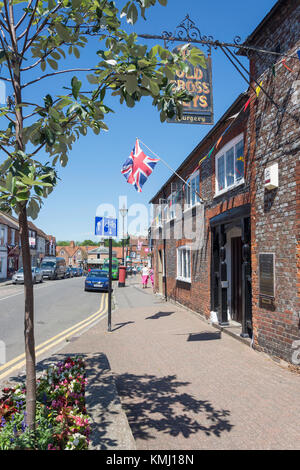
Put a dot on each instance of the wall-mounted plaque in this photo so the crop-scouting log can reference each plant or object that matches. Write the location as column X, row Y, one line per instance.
column 267, row 274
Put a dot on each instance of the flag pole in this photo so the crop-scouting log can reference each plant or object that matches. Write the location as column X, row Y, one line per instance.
column 170, row 168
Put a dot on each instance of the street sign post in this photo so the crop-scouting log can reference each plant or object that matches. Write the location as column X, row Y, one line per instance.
column 107, row 227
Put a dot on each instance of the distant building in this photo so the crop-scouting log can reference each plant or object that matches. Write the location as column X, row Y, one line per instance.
column 75, row 256
column 10, row 245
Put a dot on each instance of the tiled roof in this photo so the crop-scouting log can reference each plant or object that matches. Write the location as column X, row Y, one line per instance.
column 71, row 250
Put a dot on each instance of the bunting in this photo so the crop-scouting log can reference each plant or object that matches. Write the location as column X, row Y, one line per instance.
column 245, row 106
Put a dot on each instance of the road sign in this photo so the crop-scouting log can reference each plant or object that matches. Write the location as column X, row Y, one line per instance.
column 99, row 226
column 110, row 227
column 106, row 226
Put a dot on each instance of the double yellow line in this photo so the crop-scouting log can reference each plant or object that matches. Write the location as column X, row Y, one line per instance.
column 19, row 361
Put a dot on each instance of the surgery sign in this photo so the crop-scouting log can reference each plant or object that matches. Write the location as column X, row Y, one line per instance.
column 198, row 83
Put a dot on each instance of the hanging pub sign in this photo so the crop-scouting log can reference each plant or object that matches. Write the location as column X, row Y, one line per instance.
column 197, row 82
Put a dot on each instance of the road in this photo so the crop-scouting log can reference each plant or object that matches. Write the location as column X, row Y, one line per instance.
column 61, row 309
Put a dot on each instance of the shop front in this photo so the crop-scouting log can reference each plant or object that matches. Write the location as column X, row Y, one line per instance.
column 231, row 296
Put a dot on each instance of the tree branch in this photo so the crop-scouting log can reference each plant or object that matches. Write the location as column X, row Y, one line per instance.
column 24, row 15
column 57, row 73
column 26, row 31
column 10, row 22
column 39, row 29
column 6, row 151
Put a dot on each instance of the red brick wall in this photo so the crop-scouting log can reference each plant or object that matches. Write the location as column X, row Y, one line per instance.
column 274, row 138
column 271, row 135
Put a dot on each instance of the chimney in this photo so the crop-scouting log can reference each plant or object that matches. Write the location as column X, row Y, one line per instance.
column 72, row 244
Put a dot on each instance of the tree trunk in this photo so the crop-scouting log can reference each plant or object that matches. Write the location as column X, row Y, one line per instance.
column 28, row 323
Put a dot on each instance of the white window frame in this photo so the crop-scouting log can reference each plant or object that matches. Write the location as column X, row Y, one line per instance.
column 237, row 182
column 184, row 257
column 171, row 213
column 12, row 236
column 188, row 190
column 3, row 233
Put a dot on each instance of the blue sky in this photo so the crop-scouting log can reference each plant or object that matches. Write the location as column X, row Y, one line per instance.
column 92, row 176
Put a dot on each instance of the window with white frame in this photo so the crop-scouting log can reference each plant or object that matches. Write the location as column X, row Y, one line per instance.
column 171, row 204
column 13, row 236
column 2, row 235
column 230, row 165
column 184, row 263
column 191, row 198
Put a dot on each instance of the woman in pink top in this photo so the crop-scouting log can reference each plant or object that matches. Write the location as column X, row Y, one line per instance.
column 145, row 276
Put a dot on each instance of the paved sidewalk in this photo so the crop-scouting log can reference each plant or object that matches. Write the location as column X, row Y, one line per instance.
column 185, row 385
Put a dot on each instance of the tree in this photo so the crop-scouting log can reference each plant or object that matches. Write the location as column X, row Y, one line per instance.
column 35, row 37
column 87, row 243
column 62, row 243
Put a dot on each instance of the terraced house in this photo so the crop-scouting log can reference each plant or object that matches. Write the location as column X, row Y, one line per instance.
column 226, row 244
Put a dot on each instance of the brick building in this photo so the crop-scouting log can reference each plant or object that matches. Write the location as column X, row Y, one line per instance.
column 227, row 245
column 10, row 245
column 74, row 255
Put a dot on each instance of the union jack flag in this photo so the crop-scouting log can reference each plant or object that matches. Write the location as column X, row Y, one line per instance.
column 138, row 167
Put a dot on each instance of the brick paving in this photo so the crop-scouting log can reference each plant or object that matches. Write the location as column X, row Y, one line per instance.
column 185, row 385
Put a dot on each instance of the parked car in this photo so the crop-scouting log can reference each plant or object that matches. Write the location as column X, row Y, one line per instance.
column 75, row 272
column 37, row 276
column 69, row 273
column 96, row 279
column 53, row 267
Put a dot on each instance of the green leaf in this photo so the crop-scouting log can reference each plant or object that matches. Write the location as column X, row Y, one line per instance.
column 154, row 88
column 76, row 85
column 33, row 209
column 93, row 79
column 55, row 55
column 76, row 52
column 22, row 196
column 53, row 64
column 132, row 14
column 131, row 84
column 63, row 32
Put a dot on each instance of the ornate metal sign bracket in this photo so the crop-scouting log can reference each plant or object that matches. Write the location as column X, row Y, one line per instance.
column 187, row 31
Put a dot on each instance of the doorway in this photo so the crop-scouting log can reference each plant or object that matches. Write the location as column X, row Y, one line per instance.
column 160, row 271
column 236, row 279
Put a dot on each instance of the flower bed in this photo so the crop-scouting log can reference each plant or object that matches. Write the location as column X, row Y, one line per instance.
column 61, row 419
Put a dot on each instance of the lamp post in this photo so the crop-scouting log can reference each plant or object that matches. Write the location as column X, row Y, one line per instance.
column 123, row 212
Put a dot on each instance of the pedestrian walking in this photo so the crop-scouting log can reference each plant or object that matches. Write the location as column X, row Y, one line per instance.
column 145, row 276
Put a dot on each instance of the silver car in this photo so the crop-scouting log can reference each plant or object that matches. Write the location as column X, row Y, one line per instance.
column 37, row 276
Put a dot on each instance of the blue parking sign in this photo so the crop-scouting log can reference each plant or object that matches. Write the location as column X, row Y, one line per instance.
column 99, row 226
column 110, row 227
column 106, row 226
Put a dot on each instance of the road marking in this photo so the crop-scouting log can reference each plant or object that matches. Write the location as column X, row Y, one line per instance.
column 51, row 283
column 21, row 356
column 66, row 333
